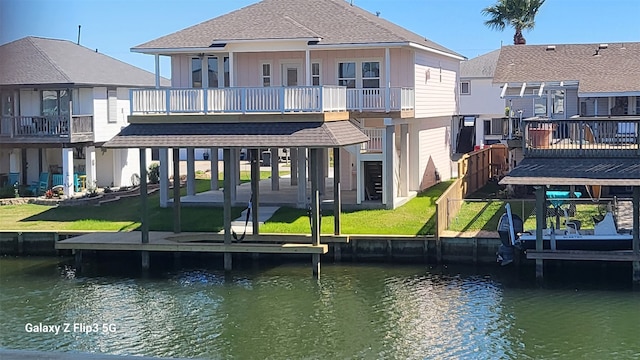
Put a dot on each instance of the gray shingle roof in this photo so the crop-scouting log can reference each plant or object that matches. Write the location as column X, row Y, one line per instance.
column 613, row 70
column 41, row 61
column 335, row 21
column 482, row 66
column 243, row 135
column 578, row 171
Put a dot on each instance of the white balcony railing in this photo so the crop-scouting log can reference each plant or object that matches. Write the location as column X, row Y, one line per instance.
column 239, row 100
column 45, row 126
column 376, row 99
column 375, row 139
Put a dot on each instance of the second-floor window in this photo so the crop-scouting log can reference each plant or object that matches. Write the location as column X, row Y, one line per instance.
column 112, row 105
column 371, row 74
column 315, row 74
column 266, row 75
column 213, row 70
column 465, row 88
column 55, row 102
column 347, row 74
column 558, row 102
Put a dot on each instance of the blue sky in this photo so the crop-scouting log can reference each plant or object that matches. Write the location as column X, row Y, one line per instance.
column 114, row 26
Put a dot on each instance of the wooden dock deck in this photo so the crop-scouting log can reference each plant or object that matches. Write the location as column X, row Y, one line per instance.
column 583, row 255
column 192, row 242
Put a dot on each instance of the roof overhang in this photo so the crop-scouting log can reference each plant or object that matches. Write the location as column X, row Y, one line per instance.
column 575, row 171
column 238, row 135
column 540, row 86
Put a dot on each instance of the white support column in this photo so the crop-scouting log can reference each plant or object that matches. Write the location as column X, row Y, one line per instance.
column 213, row 157
column 388, row 141
column 157, row 58
column 191, row 171
column 232, row 81
column 359, row 182
column 67, row 171
column 302, row 177
column 90, row 166
column 404, row 160
column 275, row 171
column 387, row 80
column 307, row 67
column 164, row 177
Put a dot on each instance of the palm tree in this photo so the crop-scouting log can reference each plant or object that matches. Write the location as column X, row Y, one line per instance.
column 520, row 14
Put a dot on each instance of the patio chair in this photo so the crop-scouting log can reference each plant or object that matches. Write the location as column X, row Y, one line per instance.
column 43, row 184
column 57, row 179
column 13, row 178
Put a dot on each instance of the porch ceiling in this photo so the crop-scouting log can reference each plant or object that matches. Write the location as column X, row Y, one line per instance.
column 239, row 135
column 586, row 171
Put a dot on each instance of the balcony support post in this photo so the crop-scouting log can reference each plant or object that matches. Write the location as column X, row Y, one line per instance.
column 176, row 191
column 213, row 157
column 232, row 71
column 404, row 160
column 275, row 173
column 387, row 79
column 307, row 67
column 157, row 59
column 144, row 207
column 67, row 171
column 228, row 176
column 388, row 181
column 293, row 157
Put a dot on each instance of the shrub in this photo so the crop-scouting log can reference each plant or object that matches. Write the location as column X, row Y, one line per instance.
column 154, row 173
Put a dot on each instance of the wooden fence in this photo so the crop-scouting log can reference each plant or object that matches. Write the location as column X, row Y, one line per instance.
column 475, row 169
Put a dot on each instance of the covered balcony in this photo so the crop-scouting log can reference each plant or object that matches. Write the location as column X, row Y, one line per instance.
column 239, row 100
column 46, row 129
column 582, row 137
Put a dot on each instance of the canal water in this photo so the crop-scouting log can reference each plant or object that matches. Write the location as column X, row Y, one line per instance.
column 355, row 311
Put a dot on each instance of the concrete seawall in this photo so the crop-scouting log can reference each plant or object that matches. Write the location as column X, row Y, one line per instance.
column 365, row 248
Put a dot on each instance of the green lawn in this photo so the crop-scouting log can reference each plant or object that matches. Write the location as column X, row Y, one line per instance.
column 417, row 217
column 484, row 215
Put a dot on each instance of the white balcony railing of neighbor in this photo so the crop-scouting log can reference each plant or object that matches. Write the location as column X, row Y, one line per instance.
column 239, row 100
column 45, row 126
column 376, row 99
column 375, row 139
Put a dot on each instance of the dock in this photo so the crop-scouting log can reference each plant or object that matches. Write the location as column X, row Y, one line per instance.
column 192, row 242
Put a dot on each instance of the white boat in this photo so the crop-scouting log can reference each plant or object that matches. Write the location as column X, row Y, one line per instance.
column 604, row 236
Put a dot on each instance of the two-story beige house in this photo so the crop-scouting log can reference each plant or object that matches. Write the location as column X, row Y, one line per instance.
column 279, row 60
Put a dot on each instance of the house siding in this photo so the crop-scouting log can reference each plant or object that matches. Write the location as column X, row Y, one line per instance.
column 484, row 99
column 103, row 129
column 429, row 143
column 248, row 72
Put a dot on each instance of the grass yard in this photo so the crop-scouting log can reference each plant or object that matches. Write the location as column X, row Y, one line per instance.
column 122, row 215
column 417, row 217
column 484, row 215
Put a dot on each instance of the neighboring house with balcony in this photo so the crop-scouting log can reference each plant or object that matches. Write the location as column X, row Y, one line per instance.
column 60, row 102
column 278, row 61
column 482, row 111
column 581, row 106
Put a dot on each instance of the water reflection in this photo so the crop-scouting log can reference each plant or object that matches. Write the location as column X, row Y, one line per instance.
column 275, row 312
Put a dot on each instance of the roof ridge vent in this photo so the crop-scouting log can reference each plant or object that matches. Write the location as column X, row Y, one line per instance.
column 551, row 47
column 603, row 46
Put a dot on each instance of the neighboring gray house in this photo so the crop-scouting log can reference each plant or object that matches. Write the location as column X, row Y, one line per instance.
column 581, row 106
column 59, row 102
column 482, row 110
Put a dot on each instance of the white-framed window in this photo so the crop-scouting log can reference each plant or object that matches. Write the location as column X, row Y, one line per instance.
column 557, row 98
column 212, row 71
column 112, row 105
column 539, row 104
column 370, row 74
column 347, row 74
column 315, row 74
column 196, row 72
column 55, row 102
column 465, row 88
column 266, row 74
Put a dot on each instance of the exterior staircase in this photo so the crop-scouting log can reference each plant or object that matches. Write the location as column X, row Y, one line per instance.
column 373, row 180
